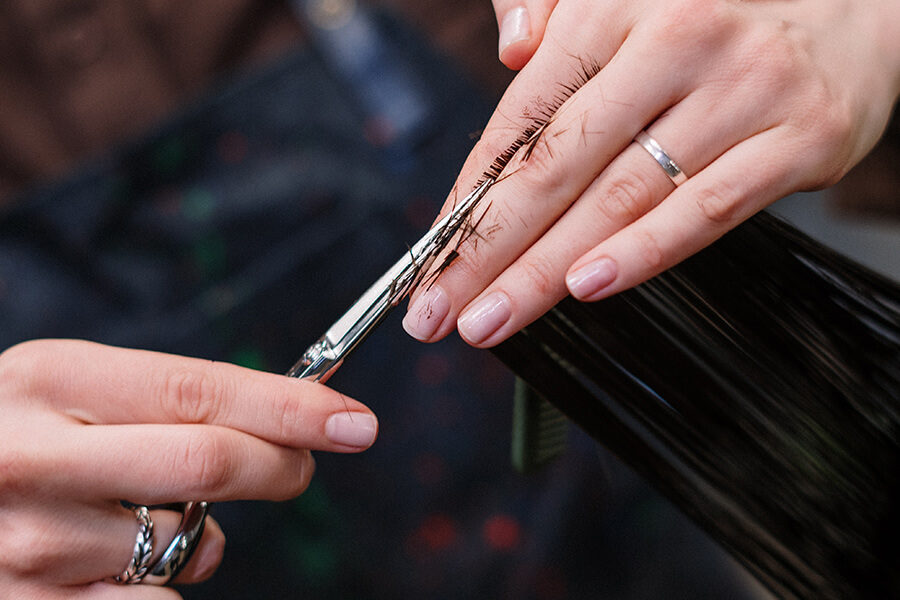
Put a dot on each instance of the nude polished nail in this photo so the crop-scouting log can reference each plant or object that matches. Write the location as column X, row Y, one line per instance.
column 357, row 430
column 427, row 313
column 515, row 27
column 487, row 316
column 592, row 278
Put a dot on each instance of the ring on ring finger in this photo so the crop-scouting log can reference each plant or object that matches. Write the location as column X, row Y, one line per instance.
column 139, row 565
column 182, row 546
column 662, row 157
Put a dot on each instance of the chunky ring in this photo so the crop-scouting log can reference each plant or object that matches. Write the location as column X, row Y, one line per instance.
column 665, row 161
column 182, row 545
column 143, row 549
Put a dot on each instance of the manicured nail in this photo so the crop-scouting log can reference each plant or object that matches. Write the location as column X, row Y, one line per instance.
column 515, row 27
column 351, row 429
column 592, row 278
column 427, row 313
column 482, row 320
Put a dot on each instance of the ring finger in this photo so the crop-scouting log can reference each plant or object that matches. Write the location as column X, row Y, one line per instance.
column 160, row 464
column 76, row 543
column 631, row 185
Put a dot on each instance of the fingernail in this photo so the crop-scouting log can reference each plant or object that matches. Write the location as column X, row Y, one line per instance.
column 486, row 317
column 515, row 27
column 351, row 429
column 592, row 278
column 427, row 313
column 209, row 557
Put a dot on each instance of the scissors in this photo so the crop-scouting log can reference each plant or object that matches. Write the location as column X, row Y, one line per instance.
column 325, row 355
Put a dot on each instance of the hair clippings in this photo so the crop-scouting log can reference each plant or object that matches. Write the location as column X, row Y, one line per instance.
column 327, row 353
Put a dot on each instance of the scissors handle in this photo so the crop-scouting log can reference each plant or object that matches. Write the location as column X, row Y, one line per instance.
column 318, row 360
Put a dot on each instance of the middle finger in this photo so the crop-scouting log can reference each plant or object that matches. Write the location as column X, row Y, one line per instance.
column 161, row 464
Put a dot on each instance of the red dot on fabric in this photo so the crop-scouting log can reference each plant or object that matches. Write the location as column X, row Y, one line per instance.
column 502, row 532
column 437, row 532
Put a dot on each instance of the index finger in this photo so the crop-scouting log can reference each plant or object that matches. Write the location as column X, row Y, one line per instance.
column 570, row 46
column 100, row 384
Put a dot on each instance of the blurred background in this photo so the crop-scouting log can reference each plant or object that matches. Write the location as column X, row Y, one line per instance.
column 172, row 175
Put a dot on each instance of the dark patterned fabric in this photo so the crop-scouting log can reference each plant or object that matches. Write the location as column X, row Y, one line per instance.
column 238, row 232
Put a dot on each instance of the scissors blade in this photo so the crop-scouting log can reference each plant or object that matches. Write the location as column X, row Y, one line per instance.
column 360, row 320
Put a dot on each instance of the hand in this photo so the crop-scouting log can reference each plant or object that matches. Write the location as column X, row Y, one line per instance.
column 85, row 426
column 753, row 100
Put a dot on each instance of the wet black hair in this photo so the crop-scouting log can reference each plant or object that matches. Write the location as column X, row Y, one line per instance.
column 757, row 385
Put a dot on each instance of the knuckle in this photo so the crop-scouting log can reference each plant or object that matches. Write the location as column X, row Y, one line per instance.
column 773, row 54
column 305, row 467
column 777, row 56
column 824, row 126
column 291, row 418
column 470, row 265
column 538, row 167
column 17, row 475
column 649, row 251
column 782, row 65
column 837, row 124
column 20, row 366
column 207, row 462
column 831, row 143
column 541, row 275
column 27, row 550
column 292, row 478
column 696, row 25
column 191, row 395
column 625, row 199
column 718, row 204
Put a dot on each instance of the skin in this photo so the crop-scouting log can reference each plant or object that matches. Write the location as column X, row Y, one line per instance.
column 85, row 426
column 753, row 100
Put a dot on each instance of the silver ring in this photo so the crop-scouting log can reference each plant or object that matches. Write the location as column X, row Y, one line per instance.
column 665, row 161
column 179, row 551
column 143, row 549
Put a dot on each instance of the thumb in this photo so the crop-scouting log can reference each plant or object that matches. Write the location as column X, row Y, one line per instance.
column 521, row 24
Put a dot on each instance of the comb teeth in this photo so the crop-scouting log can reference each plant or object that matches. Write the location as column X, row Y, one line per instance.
column 539, row 430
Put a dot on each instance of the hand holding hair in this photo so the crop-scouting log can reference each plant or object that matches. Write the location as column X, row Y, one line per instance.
column 651, row 129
